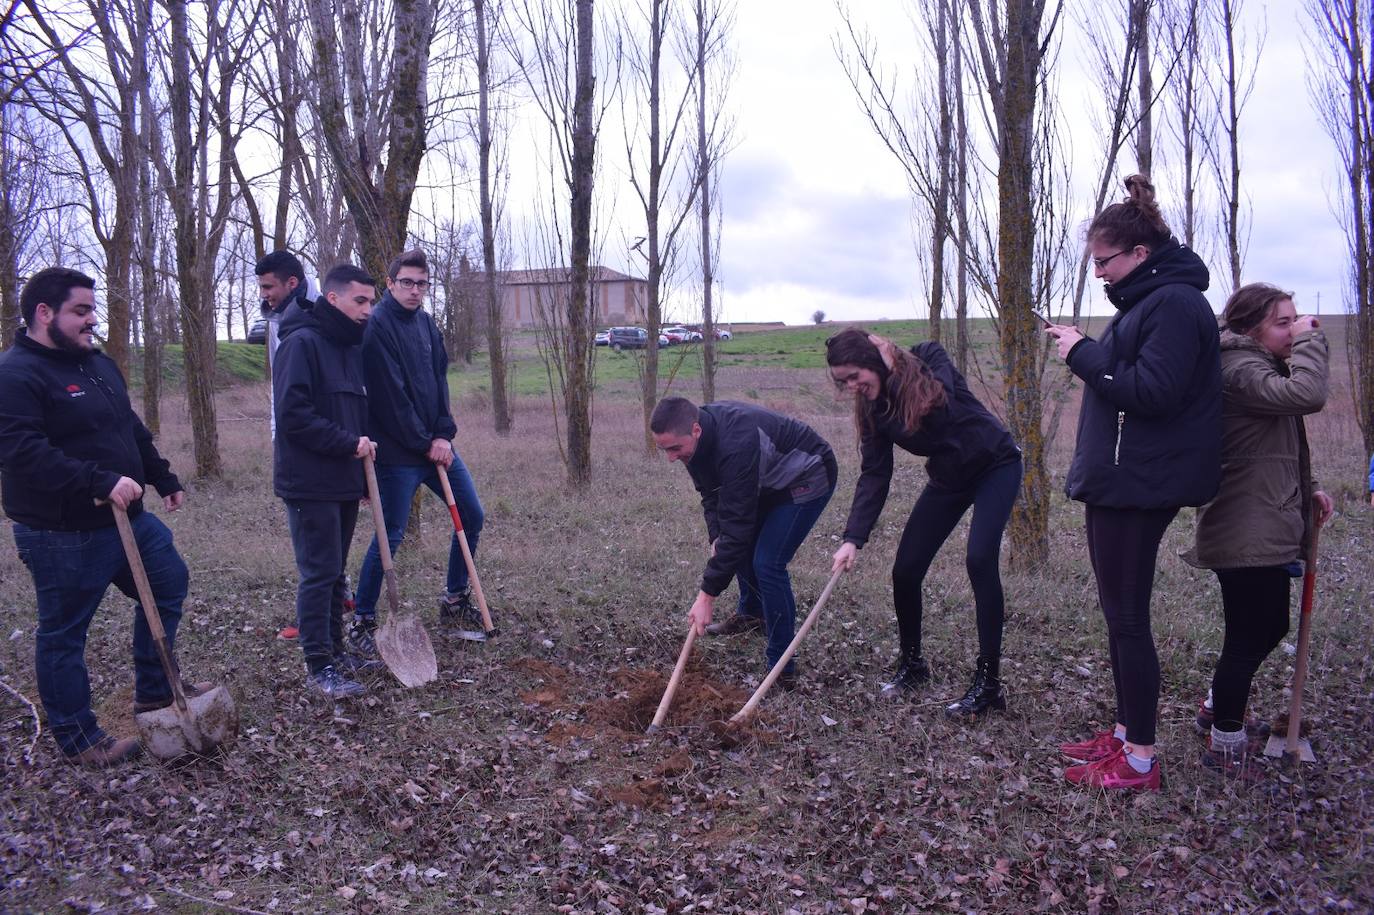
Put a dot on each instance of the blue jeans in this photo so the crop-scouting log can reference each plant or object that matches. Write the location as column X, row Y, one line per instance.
column 765, row 588
column 396, row 485
column 71, row 572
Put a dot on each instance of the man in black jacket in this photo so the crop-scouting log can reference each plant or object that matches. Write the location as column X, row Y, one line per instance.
column 764, row 479
column 281, row 282
column 69, row 438
column 321, row 408
column 408, row 415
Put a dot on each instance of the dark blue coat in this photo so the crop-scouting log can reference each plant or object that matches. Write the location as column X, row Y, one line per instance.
column 1149, row 432
column 407, row 377
column 320, row 400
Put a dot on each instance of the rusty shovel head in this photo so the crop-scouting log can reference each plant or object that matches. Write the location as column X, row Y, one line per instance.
column 210, row 723
column 404, row 645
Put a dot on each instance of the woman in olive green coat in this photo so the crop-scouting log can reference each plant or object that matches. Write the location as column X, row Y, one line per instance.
column 1274, row 371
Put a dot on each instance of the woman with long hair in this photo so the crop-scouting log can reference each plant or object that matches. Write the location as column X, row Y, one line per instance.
column 1274, row 371
column 1149, row 443
column 916, row 400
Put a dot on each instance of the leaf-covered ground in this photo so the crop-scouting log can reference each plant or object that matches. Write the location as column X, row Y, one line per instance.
column 522, row 779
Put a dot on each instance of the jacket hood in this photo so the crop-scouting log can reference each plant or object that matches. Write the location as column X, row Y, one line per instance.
column 1171, row 263
column 388, row 302
column 327, row 320
column 300, row 294
column 1234, row 342
column 22, row 339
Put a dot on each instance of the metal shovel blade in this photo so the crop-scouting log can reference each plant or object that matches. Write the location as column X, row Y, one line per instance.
column 210, row 722
column 404, row 645
column 1277, row 745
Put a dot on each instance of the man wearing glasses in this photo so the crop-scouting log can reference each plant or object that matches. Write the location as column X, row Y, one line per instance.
column 408, row 416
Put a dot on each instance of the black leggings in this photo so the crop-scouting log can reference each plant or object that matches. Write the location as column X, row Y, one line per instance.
column 1122, row 546
column 1255, row 602
column 933, row 519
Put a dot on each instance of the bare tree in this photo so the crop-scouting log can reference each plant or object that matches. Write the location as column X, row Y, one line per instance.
column 1239, row 66
column 88, row 96
column 1190, row 124
column 665, row 181
column 1145, row 95
column 557, row 58
column 711, row 26
column 1013, row 41
column 487, row 13
column 374, row 128
column 1342, row 62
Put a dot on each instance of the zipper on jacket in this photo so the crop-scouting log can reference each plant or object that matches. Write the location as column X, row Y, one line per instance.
column 1120, row 425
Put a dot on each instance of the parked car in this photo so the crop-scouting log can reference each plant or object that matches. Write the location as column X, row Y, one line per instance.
column 603, row 338
column 257, row 331
column 679, row 334
column 619, row 338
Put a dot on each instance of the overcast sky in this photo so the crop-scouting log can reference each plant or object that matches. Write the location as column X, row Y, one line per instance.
column 816, row 211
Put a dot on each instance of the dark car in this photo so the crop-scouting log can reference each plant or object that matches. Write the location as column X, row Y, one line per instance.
column 620, row 338
column 257, row 332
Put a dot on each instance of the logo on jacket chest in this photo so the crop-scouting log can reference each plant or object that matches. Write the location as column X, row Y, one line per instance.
column 74, row 390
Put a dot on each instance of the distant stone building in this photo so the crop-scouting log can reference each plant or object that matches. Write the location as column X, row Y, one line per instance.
column 618, row 299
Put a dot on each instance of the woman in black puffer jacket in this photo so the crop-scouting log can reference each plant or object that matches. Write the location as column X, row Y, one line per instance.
column 1149, row 443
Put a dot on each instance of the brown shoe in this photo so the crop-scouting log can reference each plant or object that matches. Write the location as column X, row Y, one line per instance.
column 107, row 752
column 736, row 624
column 191, row 690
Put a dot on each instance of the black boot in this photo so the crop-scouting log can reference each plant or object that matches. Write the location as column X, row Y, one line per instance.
column 912, row 671
column 984, row 693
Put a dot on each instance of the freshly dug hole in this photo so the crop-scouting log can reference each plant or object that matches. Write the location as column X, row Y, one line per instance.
column 699, row 700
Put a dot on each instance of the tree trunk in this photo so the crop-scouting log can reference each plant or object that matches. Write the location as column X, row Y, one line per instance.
column 961, row 191
column 1231, row 188
column 1021, row 342
column 198, row 322
column 1144, row 136
column 577, row 397
column 148, row 291
column 496, row 352
column 9, row 241
column 704, row 166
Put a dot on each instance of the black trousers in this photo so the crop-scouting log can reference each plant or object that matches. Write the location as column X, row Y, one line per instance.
column 934, row 517
column 1256, row 605
column 321, row 533
column 1123, row 544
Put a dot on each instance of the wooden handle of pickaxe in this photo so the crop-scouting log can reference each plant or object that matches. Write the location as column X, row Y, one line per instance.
column 666, row 702
column 393, row 596
column 463, row 545
column 145, row 597
column 1309, row 594
column 776, row 672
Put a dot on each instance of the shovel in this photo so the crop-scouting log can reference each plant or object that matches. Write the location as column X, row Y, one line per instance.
column 667, row 701
column 196, row 725
column 402, row 641
column 488, row 629
column 1292, row 746
column 777, row 670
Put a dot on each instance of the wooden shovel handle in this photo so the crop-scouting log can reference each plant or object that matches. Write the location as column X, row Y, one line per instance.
column 666, row 702
column 379, row 524
column 1309, row 594
column 463, row 544
column 776, row 672
column 145, row 598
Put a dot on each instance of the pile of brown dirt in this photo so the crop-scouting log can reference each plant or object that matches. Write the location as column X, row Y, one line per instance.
column 699, row 700
column 551, row 691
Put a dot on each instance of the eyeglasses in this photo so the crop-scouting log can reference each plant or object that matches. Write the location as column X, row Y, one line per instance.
column 406, row 282
column 1101, row 262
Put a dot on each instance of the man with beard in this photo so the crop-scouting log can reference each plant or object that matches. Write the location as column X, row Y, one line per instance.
column 69, row 439
column 321, row 406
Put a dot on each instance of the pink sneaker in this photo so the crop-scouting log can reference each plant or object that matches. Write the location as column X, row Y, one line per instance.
column 1079, row 774
column 1099, row 746
column 1117, row 773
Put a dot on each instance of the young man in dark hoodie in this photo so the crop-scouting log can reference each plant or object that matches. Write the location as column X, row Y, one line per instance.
column 408, row 415
column 281, row 282
column 764, row 479
column 321, row 408
column 69, row 438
